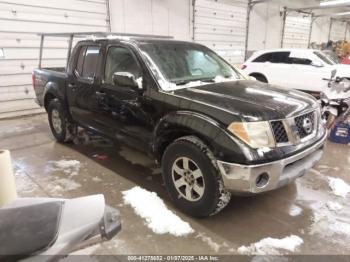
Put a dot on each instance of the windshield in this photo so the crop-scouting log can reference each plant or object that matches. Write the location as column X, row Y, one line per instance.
column 325, row 58
column 181, row 65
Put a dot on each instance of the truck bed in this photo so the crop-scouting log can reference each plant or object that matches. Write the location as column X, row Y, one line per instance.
column 48, row 76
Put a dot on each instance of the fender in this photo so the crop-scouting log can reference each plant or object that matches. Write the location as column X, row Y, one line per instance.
column 53, row 90
column 224, row 146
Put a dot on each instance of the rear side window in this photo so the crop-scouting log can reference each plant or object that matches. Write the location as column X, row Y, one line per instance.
column 90, row 61
column 80, row 61
column 274, row 57
column 280, row 57
column 300, row 61
column 263, row 58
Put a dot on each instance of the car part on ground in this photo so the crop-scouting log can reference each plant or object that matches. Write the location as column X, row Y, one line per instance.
column 33, row 227
column 335, row 101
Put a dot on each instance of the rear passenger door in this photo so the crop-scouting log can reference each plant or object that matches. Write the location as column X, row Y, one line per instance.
column 82, row 83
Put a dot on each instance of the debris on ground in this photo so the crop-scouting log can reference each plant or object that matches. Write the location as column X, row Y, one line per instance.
column 206, row 239
column 100, row 157
column 153, row 210
column 295, row 210
column 338, row 186
column 272, row 246
column 69, row 167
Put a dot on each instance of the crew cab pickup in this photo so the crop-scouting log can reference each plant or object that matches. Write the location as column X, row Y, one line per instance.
column 213, row 131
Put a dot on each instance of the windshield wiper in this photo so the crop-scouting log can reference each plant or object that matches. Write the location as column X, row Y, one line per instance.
column 181, row 82
column 184, row 82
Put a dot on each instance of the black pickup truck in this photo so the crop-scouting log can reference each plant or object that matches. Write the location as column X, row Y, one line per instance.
column 212, row 130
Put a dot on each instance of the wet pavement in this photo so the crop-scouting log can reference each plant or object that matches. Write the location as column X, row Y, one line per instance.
column 304, row 208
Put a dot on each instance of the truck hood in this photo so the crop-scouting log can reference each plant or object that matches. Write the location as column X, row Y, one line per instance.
column 249, row 100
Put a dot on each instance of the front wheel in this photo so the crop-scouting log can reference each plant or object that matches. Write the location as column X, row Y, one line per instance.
column 192, row 178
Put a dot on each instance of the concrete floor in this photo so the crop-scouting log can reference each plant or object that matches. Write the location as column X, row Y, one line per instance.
column 299, row 209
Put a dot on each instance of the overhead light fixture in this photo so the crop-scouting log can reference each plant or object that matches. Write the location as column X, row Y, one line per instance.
column 334, row 2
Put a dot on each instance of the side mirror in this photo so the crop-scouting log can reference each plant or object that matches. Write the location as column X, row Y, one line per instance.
column 316, row 64
column 125, row 79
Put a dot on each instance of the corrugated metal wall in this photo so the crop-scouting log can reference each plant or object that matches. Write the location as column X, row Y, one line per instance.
column 161, row 17
column 296, row 31
column 221, row 25
column 20, row 21
column 338, row 31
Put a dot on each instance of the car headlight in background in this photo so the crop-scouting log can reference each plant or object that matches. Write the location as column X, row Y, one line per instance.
column 255, row 134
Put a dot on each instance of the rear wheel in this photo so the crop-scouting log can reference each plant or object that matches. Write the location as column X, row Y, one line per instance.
column 58, row 121
column 192, row 178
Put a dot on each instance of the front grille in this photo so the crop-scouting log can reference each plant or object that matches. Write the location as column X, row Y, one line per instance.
column 305, row 124
column 279, row 132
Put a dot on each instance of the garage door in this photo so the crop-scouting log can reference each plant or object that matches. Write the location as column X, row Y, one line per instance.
column 338, row 31
column 20, row 21
column 221, row 25
column 296, row 31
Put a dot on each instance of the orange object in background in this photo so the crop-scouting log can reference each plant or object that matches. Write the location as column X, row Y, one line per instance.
column 346, row 60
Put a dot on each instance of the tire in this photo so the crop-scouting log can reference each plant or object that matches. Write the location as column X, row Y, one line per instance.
column 207, row 195
column 260, row 78
column 58, row 121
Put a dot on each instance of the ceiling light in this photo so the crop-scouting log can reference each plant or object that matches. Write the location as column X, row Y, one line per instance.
column 334, row 2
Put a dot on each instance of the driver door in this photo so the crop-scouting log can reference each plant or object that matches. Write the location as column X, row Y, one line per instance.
column 122, row 109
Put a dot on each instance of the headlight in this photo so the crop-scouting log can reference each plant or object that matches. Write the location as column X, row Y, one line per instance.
column 255, row 134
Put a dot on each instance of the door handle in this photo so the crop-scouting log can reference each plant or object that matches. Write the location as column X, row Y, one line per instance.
column 100, row 94
column 72, row 86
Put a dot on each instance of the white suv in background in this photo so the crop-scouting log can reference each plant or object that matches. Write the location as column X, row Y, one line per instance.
column 302, row 69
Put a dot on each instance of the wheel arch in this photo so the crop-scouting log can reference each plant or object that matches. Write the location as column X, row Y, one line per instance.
column 185, row 123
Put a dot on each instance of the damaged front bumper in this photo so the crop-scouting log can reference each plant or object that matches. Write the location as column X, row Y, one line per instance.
column 269, row 176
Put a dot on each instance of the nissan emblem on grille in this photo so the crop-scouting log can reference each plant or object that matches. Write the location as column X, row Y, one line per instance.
column 307, row 125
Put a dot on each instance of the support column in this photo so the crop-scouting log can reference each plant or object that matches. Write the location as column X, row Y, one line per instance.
column 284, row 14
column 313, row 18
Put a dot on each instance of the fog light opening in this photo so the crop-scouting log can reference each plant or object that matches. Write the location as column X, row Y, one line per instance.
column 262, row 180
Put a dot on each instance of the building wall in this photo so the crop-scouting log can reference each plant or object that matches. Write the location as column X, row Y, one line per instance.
column 20, row 21
column 162, row 17
column 266, row 24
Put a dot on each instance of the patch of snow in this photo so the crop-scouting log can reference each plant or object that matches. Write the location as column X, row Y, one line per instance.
column 328, row 224
column 96, row 179
column 272, row 246
column 157, row 216
column 334, row 206
column 63, row 184
column 338, row 186
column 213, row 245
column 295, row 210
column 69, row 167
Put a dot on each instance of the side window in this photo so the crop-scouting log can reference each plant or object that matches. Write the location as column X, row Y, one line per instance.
column 120, row 59
column 300, row 61
column 80, row 61
column 280, row 58
column 90, row 61
column 263, row 58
